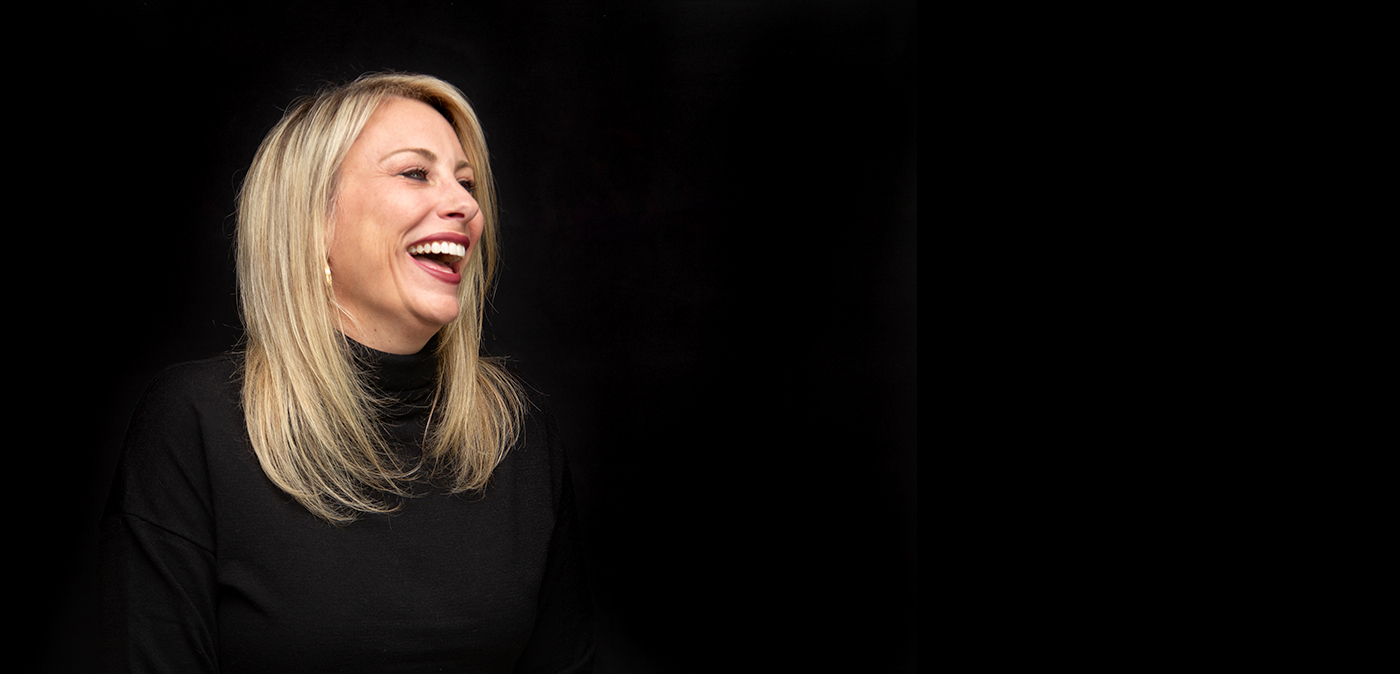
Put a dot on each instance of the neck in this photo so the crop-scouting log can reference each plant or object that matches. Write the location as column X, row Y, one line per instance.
column 399, row 340
column 407, row 382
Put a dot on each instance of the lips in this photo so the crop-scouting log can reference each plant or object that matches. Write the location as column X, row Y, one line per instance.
column 441, row 255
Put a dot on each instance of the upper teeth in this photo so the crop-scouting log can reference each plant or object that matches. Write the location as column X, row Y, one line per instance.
column 444, row 247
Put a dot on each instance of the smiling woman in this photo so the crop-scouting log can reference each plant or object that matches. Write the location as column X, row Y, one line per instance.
column 341, row 154
column 359, row 489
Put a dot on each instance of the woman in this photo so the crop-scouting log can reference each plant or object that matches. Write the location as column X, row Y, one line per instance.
column 358, row 490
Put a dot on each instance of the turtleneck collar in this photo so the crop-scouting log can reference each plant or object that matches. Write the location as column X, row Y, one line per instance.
column 409, row 379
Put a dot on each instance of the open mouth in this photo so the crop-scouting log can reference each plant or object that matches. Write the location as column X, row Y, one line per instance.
column 443, row 255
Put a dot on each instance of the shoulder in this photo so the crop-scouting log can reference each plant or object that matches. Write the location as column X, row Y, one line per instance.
column 539, row 409
column 539, row 429
column 181, row 404
column 196, row 379
column 540, row 443
column 192, row 385
column 163, row 474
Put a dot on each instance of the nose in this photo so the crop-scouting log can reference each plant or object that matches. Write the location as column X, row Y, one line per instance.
column 458, row 203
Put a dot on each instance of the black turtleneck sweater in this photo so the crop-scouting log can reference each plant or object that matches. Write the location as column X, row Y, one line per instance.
column 209, row 567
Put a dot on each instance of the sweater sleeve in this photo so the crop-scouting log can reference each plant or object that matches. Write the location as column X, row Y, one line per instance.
column 563, row 638
column 157, row 568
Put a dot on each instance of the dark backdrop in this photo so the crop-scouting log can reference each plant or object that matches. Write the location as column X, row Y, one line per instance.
column 709, row 227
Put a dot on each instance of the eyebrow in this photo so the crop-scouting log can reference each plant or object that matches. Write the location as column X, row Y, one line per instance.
column 426, row 154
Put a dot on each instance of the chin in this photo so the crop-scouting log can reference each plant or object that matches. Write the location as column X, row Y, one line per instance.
column 440, row 313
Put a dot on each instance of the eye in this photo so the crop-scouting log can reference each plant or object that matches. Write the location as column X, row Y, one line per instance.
column 415, row 174
column 469, row 184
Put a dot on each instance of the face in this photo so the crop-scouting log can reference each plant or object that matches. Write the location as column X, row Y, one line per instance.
column 404, row 225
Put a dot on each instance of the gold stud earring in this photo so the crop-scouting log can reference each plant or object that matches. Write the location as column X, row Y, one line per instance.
column 328, row 276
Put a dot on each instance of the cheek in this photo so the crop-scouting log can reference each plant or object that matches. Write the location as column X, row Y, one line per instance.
column 363, row 234
column 476, row 227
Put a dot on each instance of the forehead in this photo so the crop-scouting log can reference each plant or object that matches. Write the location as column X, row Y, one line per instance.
column 401, row 123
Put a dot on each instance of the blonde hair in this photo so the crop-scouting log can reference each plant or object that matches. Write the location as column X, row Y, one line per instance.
column 310, row 413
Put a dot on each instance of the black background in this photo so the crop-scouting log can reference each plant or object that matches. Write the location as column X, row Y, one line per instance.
column 708, row 221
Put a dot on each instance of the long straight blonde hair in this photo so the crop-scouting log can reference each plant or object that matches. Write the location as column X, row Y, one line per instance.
column 310, row 413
